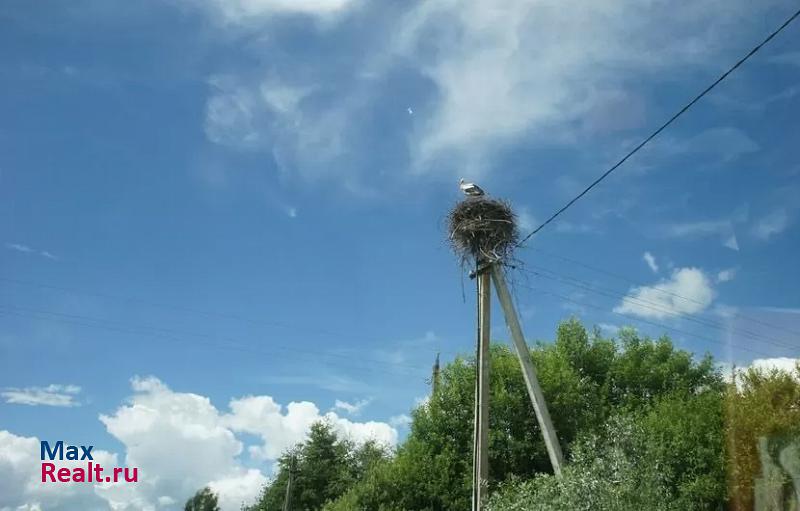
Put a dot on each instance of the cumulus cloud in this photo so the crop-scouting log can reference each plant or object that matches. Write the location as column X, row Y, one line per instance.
column 180, row 442
column 52, row 395
column 262, row 416
column 651, row 261
column 20, row 479
column 785, row 364
column 686, row 291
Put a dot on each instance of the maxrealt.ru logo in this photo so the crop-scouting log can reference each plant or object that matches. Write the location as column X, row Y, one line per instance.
column 90, row 473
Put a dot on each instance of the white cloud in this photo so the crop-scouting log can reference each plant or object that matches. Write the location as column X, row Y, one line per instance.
column 726, row 275
column 400, row 421
column 496, row 74
column 20, row 479
column 351, row 408
column 723, row 229
column 785, row 364
column 526, row 221
column 25, row 249
column 771, row 225
column 791, row 58
column 609, row 328
column 261, row 415
column 686, row 291
column 651, row 261
column 731, row 243
column 538, row 68
column 52, row 395
column 179, row 442
column 230, row 114
column 248, row 11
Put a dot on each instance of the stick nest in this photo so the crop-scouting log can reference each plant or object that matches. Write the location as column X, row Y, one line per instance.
column 482, row 229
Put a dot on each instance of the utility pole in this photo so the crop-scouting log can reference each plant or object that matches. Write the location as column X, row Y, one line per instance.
column 528, row 371
column 482, row 363
column 435, row 376
column 287, row 499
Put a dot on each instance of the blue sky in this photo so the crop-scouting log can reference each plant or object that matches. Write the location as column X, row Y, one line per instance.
column 205, row 201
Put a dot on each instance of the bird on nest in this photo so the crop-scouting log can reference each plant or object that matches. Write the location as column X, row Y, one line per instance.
column 470, row 189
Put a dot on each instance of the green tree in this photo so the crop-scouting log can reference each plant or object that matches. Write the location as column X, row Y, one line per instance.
column 325, row 467
column 611, row 471
column 587, row 379
column 761, row 406
column 203, row 500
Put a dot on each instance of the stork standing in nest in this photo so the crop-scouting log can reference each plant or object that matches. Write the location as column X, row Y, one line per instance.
column 470, row 189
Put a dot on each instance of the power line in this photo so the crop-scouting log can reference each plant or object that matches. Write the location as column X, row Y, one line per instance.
column 188, row 337
column 646, row 304
column 191, row 310
column 661, row 128
column 644, row 321
column 659, row 289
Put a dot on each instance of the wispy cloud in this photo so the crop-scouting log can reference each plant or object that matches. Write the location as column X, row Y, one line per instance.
column 501, row 74
column 651, row 261
column 791, row 58
column 525, row 219
column 25, row 249
column 351, row 408
column 726, row 275
column 249, row 12
column 723, row 229
column 686, row 291
column 400, row 421
column 771, row 224
column 52, row 395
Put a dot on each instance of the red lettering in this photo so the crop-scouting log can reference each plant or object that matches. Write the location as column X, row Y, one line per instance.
column 135, row 477
column 117, row 472
column 64, row 475
column 78, row 475
column 98, row 473
column 47, row 470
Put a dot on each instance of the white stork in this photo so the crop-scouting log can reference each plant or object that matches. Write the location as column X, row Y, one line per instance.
column 470, row 189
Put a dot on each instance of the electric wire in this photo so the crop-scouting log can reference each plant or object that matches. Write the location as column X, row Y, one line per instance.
column 647, row 304
column 660, row 128
column 691, row 335
column 632, row 282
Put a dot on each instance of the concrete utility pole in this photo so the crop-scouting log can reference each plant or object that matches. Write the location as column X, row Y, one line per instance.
column 287, row 499
column 482, row 363
column 528, row 371
column 435, row 376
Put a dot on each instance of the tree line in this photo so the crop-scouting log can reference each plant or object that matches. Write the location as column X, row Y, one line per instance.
column 643, row 425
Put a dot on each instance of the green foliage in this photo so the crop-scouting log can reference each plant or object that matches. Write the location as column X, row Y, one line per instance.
column 587, row 380
column 760, row 405
column 685, row 439
column 203, row 500
column 607, row 472
column 324, row 468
